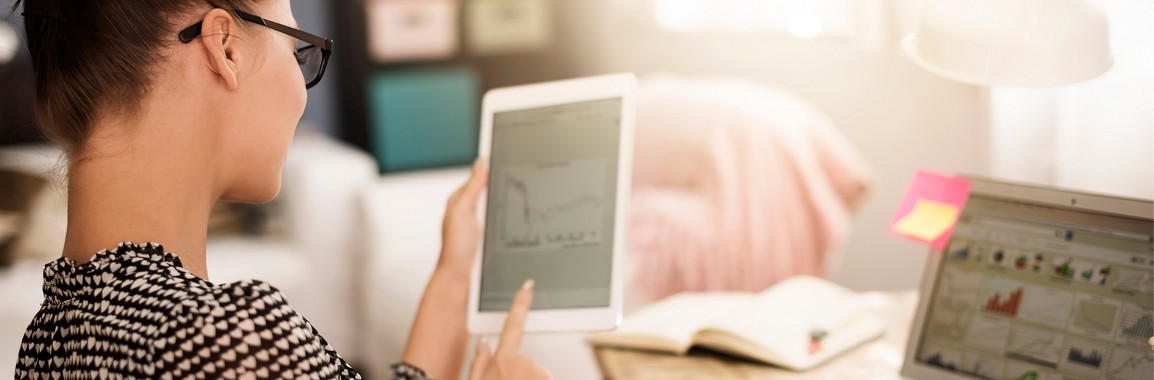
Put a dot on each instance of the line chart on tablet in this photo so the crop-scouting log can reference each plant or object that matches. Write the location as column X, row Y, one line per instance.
column 552, row 206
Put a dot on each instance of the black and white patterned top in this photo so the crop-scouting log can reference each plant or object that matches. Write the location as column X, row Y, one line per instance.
column 135, row 312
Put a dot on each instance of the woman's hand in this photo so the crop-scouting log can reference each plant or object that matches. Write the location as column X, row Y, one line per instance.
column 461, row 231
column 507, row 362
column 439, row 340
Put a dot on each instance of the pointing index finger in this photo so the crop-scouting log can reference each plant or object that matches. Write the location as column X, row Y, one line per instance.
column 510, row 343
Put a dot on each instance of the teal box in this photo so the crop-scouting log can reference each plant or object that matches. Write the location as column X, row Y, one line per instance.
column 423, row 118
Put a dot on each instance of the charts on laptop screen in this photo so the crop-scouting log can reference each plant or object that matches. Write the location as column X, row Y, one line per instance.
column 1039, row 292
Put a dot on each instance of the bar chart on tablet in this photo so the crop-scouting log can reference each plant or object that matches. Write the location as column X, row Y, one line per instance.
column 551, row 206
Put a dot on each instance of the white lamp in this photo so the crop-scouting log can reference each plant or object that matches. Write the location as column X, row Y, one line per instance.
column 9, row 43
column 1012, row 42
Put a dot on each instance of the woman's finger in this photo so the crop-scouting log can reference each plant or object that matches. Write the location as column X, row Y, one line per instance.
column 480, row 360
column 510, row 343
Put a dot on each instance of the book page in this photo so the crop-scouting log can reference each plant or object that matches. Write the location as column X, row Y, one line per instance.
column 878, row 360
column 670, row 324
column 779, row 323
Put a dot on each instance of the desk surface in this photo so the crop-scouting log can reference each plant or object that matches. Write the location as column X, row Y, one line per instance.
column 876, row 359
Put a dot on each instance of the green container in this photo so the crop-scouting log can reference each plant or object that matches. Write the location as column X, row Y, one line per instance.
column 424, row 118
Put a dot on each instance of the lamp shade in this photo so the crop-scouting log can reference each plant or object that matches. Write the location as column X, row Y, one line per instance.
column 9, row 43
column 1012, row 42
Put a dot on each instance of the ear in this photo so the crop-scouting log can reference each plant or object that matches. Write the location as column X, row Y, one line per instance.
column 218, row 34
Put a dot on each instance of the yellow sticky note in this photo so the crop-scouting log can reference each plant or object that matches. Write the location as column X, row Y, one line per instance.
column 928, row 220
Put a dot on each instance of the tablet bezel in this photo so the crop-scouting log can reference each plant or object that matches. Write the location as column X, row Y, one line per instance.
column 624, row 86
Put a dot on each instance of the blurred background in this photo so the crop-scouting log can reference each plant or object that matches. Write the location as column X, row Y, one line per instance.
column 841, row 56
column 850, row 117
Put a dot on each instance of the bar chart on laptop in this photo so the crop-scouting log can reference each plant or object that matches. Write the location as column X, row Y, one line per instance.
column 941, row 357
column 1001, row 296
column 1083, row 356
column 983, row 366
column 1136, row 326
column 552, row 206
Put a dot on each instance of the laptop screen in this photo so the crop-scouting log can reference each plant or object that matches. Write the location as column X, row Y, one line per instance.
column 1030, row 291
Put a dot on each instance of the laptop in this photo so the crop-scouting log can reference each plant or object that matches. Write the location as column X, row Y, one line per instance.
column 1038, row 284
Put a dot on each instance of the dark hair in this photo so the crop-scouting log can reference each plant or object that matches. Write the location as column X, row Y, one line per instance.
column 96, row 58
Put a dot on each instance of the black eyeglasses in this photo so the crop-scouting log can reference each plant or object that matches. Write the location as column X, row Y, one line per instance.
column 312, row 51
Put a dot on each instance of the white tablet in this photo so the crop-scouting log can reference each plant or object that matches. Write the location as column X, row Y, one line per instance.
column 560, row 164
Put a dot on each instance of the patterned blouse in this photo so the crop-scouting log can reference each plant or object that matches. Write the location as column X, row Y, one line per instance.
column 135, row 312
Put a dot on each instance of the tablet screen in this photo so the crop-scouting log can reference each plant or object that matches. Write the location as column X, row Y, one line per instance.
column 551, row 205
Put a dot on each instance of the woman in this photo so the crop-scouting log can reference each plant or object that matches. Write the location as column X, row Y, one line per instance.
column 164, row 107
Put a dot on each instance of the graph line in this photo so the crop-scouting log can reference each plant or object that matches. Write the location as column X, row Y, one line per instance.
column 552, row 206
column 535, row 216
column 1095, row 315
column 1126, row 364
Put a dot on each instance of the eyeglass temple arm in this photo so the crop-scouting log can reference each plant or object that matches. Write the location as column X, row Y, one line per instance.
column 190, row 33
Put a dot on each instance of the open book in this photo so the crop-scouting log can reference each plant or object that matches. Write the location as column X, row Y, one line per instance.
column 777, row 326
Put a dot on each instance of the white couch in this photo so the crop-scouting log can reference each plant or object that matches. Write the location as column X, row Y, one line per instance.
column 313, row 264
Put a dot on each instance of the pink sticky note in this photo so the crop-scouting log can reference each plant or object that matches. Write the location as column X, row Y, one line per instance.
column 930, row 188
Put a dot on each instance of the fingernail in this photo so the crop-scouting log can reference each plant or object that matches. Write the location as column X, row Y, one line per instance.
column 528, row 285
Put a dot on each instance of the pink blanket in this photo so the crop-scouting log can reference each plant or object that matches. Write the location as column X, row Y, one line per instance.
column 736, row 187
